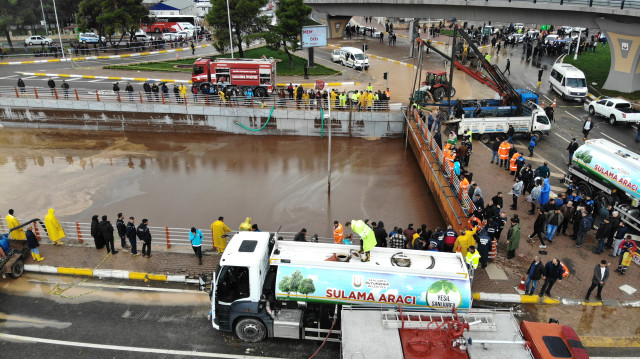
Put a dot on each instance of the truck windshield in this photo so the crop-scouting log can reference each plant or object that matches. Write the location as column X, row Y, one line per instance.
column 359, row 57
column 576, row 82
column 197, row 70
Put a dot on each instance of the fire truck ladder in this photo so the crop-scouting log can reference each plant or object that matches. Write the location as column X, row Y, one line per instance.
column 511, row 96
column 425, row 320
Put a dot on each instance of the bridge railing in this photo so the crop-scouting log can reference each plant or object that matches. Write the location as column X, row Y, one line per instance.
column 92, row 95
column 80, row 232
column 622, row 4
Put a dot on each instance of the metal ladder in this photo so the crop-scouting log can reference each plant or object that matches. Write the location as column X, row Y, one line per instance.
column 423, row 320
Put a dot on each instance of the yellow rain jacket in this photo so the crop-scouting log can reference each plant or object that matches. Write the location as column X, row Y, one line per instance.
column 54, row 229
column 366, row 233
column 465, row 241
column 12, row 222
column 219, row 228
column 246, row 225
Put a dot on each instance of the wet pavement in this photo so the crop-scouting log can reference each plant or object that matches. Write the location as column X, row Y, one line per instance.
column 184, row 180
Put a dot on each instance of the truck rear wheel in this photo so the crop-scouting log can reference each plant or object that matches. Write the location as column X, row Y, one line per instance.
column 260, row 92
column 592, row 111
column 251, row 330
column 604, row 199
column 612, row 120
column 584, row 189
column 485, row 138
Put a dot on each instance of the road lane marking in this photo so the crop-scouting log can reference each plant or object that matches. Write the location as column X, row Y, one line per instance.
column 23, row 338
column 123, row 287
column 613, row 139
column 610, row 342
column 577, row 119
column 561, row 137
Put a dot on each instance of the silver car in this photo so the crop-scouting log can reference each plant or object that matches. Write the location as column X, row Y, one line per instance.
column 37, row 40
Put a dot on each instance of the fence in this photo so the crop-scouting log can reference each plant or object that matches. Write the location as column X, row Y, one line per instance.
column 622, row 4
column 190, row 99
column 444, row 163
column 80, row 232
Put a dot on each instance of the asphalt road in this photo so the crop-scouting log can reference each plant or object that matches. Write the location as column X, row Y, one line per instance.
column 113, row 322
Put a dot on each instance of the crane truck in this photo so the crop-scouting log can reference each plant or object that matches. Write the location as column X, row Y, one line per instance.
column 401, row 304
column 609, row 174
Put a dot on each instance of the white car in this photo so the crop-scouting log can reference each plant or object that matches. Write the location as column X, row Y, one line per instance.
column 335, row 55
column 89, row 37
column 143, row 38
column 614, row 109
column 37, row 40
column 518, row 37
column 186, row 35
column 170, row 36
column 567, row 29
column 550, row 39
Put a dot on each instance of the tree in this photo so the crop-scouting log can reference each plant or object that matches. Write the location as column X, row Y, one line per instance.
column 246, row 22
column 306, row 287
column 110, row 16
column 292, row 15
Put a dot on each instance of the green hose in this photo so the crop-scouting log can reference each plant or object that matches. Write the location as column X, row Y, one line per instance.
column 321, row 123
column 263, row 126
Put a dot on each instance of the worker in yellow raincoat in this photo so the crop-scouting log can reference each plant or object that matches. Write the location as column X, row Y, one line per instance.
column 368, row 239
column 246, row 225
column 219, row 229
column 54, row 229
column 12, row 222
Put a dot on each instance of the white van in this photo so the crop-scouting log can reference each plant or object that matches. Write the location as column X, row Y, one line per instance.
column 568, row 82
column 354, row 57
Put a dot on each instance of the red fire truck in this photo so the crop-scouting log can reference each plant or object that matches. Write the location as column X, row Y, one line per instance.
column 236, row 74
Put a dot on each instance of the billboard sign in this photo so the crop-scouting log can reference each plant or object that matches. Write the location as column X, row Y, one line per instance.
column 314, row 36
column 336, row 285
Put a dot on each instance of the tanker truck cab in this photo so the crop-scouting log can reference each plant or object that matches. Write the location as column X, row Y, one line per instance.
column 267, row 287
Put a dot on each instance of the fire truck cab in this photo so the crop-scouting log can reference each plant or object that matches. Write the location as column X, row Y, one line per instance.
column 236, row 75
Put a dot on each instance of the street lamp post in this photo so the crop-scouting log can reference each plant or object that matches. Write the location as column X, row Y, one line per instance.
column 575, row 56
column 58, row 27
column 230, row 35
column 44, row 19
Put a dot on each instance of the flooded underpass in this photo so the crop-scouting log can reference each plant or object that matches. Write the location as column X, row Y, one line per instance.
column 184, row 180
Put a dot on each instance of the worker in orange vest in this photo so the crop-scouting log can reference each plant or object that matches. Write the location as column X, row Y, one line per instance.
column 503, row 152
column 513, row 163
column 464, row 186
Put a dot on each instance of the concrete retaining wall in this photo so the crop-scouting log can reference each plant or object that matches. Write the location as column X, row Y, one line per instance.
column 132, row 116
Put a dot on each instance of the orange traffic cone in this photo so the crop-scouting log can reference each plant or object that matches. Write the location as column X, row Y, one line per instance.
column 543, row 104
column 522, row 286
column 555, row 102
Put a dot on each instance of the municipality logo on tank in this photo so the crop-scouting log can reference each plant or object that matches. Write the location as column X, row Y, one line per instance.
column 443, row 294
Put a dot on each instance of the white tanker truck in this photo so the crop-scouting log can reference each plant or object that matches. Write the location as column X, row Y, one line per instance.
column 610, row 174
column 399, row 305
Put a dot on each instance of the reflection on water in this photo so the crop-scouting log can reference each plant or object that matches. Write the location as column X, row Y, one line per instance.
column 190, row 179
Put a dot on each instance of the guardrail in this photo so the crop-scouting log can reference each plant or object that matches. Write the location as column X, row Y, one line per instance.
column 622, row 4
column 80, row 232
column 80, row 94
column 443, row 164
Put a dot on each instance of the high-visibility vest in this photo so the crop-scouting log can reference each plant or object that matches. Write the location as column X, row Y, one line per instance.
column 388, row 93
column 338, row 234
column 464, row 185
column 369, row 88
column 503, row 151
column 473, row 259
column 512, row 163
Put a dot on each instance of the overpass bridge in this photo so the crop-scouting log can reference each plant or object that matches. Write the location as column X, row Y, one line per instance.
column 619, row 20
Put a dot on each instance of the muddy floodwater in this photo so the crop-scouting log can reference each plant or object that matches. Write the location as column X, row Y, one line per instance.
column 184, row 180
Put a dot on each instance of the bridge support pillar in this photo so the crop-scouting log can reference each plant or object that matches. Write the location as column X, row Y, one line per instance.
column 623, row 40
column 336, row 25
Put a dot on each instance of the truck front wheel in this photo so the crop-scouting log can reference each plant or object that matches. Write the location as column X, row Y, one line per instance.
column 251, row 330
column 260, row 92
column 592, row 111
column 612, row 120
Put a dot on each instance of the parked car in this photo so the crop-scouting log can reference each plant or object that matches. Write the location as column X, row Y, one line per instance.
column 614, row 109
column 37, row 40
column 170, row 36
column 518, row 37
column 143, row 38
column 336, row 55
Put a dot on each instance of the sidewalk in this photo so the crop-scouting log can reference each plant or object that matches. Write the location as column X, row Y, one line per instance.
column 580, row 261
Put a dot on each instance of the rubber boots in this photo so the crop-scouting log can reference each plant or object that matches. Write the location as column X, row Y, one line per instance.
column 34, row 256
column 39, row 258
column 367, row 257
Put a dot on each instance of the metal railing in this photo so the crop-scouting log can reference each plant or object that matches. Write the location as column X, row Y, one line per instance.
column 80, row 232
column 622, row 4
column 443, row 164
column 190, row 99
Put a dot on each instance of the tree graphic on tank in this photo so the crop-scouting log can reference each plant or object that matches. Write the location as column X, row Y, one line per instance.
column 444, row 294
column 297, row 283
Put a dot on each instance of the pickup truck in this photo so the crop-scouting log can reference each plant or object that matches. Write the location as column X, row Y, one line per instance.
column 615, row 109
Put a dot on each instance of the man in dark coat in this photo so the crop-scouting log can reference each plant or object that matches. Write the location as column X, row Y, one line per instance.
column 534, row 273
column 122, row 231
column 96, row 233
column 381, row 235
column 145, row 236
column 553, row 272
column 131, row 235
column 602, row 234
column 107, row 233
column 600, row 276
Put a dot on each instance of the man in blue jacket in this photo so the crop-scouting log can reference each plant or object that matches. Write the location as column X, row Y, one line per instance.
column 195, row 236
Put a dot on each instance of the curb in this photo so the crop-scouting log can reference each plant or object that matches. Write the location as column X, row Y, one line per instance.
column 140, row 79
column 109, row 273
column 535, row 299
column 84, row 58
